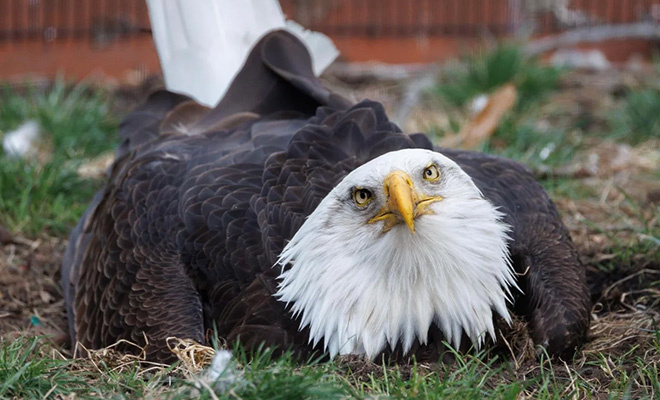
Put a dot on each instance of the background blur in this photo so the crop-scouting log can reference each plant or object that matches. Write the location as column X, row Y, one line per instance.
column 112, row 37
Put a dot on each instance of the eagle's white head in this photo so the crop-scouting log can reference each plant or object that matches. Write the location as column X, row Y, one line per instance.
column 402, row 242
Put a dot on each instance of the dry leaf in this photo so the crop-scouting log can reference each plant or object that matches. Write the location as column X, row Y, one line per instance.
column 484, row 124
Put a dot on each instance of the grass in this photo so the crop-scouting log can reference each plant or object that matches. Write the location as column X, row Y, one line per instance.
column 42, row 198
column 638, row 117
column 472, row 377
column 29, row 371
column 48, row 197
column 265, row 376
column 564, row 187
column 77, row 117
column 632, row 242
column 482, row 73
column 521, row 140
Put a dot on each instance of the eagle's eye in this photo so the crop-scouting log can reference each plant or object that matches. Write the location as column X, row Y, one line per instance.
column 361, row 197
column 431, row 173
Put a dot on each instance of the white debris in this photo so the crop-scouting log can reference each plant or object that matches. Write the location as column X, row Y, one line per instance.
column 584, row 59
column 23, row 141
column 222, row 374
column 478, row 104
column 546, row 151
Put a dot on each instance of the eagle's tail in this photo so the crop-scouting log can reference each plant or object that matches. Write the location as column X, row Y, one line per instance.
column 277, row 75
column 202, row 44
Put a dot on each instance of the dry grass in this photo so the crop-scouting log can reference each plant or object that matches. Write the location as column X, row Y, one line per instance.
column 194, row 357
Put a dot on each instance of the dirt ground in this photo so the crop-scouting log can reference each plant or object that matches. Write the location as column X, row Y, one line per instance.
column 610, row 227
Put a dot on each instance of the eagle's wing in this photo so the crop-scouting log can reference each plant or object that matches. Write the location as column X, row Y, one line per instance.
column 555, row 298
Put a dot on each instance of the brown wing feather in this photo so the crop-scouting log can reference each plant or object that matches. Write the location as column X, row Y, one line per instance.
column 182, row 118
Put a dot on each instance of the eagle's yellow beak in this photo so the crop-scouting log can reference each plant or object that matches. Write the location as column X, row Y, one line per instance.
column 404, row 204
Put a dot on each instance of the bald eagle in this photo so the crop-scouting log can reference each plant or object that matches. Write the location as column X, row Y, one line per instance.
column 291, row 217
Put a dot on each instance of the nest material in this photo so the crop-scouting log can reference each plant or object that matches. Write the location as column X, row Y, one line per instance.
column 194, row 358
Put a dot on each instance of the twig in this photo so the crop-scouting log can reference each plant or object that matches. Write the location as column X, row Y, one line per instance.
column 640, row 30
column 513, row 355
column 51, row 390
column 620, row 281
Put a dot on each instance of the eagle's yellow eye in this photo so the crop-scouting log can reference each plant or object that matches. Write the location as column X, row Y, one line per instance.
column 361, row 197
column 431, row 173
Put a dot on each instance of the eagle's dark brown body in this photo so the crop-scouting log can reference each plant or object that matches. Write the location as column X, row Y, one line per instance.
column 200, row 203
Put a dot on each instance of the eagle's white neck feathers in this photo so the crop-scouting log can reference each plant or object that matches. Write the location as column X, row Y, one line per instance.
column 360, row 289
